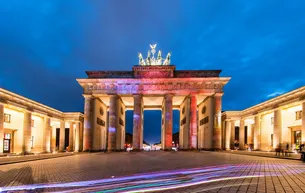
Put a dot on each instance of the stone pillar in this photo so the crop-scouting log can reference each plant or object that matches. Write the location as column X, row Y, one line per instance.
column 242, row 134
column 112, row 130
column 256, row 138
column 228, row 135
column 277, row 128
column 27, row 132
column 217, row 122
column 249, row 134
column 71, row 132
column 168, row 119
column 232, row 134
column 1, row 127
column 46, row 135
column 88, row 126
column 303, row 122
column 53, row 140
column 137, row 143
column 62, row 136
column 77, row 137
column 193, row 122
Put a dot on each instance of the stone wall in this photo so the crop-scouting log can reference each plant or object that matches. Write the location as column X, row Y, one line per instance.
column 205, row 123
column 184, row 123
column 99, row 124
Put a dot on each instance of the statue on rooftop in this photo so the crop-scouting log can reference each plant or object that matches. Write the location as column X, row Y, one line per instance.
column 151, row 60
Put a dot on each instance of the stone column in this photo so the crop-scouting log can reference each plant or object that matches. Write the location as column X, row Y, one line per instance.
column 228, row 135
column 232, row 134
column 193, row 122
column 46, row 135
column 88, row 126
column 1, row 127
column 303, row 122
column 27, row 132
column 277, row 128
column 53, row 140
column 249, row 134
column 242, row 134
column 62, row 136
column 137, row 143
column 71, row 132
column 77, row 137
column 168, row 137
column 217, row 122
column 112, row 122
column 256, row 139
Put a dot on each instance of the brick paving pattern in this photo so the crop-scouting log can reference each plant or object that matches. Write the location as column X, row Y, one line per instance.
column 214, row 172
column 17, row 159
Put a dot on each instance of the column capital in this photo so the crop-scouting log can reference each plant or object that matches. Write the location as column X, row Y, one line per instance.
column 137, row 96
column 218, row 94
column 169, row 95
column 88, row 96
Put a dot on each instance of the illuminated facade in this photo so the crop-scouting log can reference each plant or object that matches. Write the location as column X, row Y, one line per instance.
column 154, row 84
column 280, row 120
column 27, row 126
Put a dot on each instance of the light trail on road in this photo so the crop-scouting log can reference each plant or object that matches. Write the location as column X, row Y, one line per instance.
column 160, row 181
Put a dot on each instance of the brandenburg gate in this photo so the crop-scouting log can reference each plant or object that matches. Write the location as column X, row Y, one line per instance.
column 153, row 84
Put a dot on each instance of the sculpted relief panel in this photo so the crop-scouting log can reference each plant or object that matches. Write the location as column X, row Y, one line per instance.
column 153, row 88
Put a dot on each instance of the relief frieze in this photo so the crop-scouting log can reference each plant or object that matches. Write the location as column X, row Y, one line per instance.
column 172, row 86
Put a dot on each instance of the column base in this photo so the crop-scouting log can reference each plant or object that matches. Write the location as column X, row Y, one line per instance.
column 188, row 149
column 26, row 153
column 136, row 150
column 211, row 149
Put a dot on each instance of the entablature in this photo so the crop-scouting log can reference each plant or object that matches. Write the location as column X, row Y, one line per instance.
column 153, row 86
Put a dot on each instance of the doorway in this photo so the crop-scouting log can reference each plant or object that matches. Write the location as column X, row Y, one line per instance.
column 7, row 143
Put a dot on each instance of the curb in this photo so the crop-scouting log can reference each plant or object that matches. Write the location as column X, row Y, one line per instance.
column 287, row 158
column 35, row 159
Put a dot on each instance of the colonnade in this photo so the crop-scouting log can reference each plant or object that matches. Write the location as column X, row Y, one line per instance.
column 24, row 142
column 191, row 122
column 258, row 130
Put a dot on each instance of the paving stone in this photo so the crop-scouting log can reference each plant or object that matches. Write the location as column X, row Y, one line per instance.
column 277, row 175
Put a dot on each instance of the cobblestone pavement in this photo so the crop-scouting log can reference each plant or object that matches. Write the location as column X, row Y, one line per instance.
column 295, row 156
column 156, row 171
column 24, row 158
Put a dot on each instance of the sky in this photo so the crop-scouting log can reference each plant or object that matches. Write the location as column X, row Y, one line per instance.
column 45, row 45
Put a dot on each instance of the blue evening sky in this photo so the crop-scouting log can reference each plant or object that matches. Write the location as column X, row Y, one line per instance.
column 46, row 44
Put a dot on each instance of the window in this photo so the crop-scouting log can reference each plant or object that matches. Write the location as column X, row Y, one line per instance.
column 7, row 136
column 272, row 120
column 32, row 123
column 271, row 139
column 100, row 121
column 298, row 115
column 7, row 118
column 203, row 110
column 297, row 137
column 204, row 120
column 121, row 122
column 101, row 111
column 32, row 142
column 183, row 121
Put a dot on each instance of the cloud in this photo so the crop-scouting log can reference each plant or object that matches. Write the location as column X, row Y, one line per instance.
column 274, row 94
column 46, row 45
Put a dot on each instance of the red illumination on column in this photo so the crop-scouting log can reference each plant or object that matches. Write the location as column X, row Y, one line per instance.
column 193, row 122
column 137, row 123
column 87, row 123
column 168, row 122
